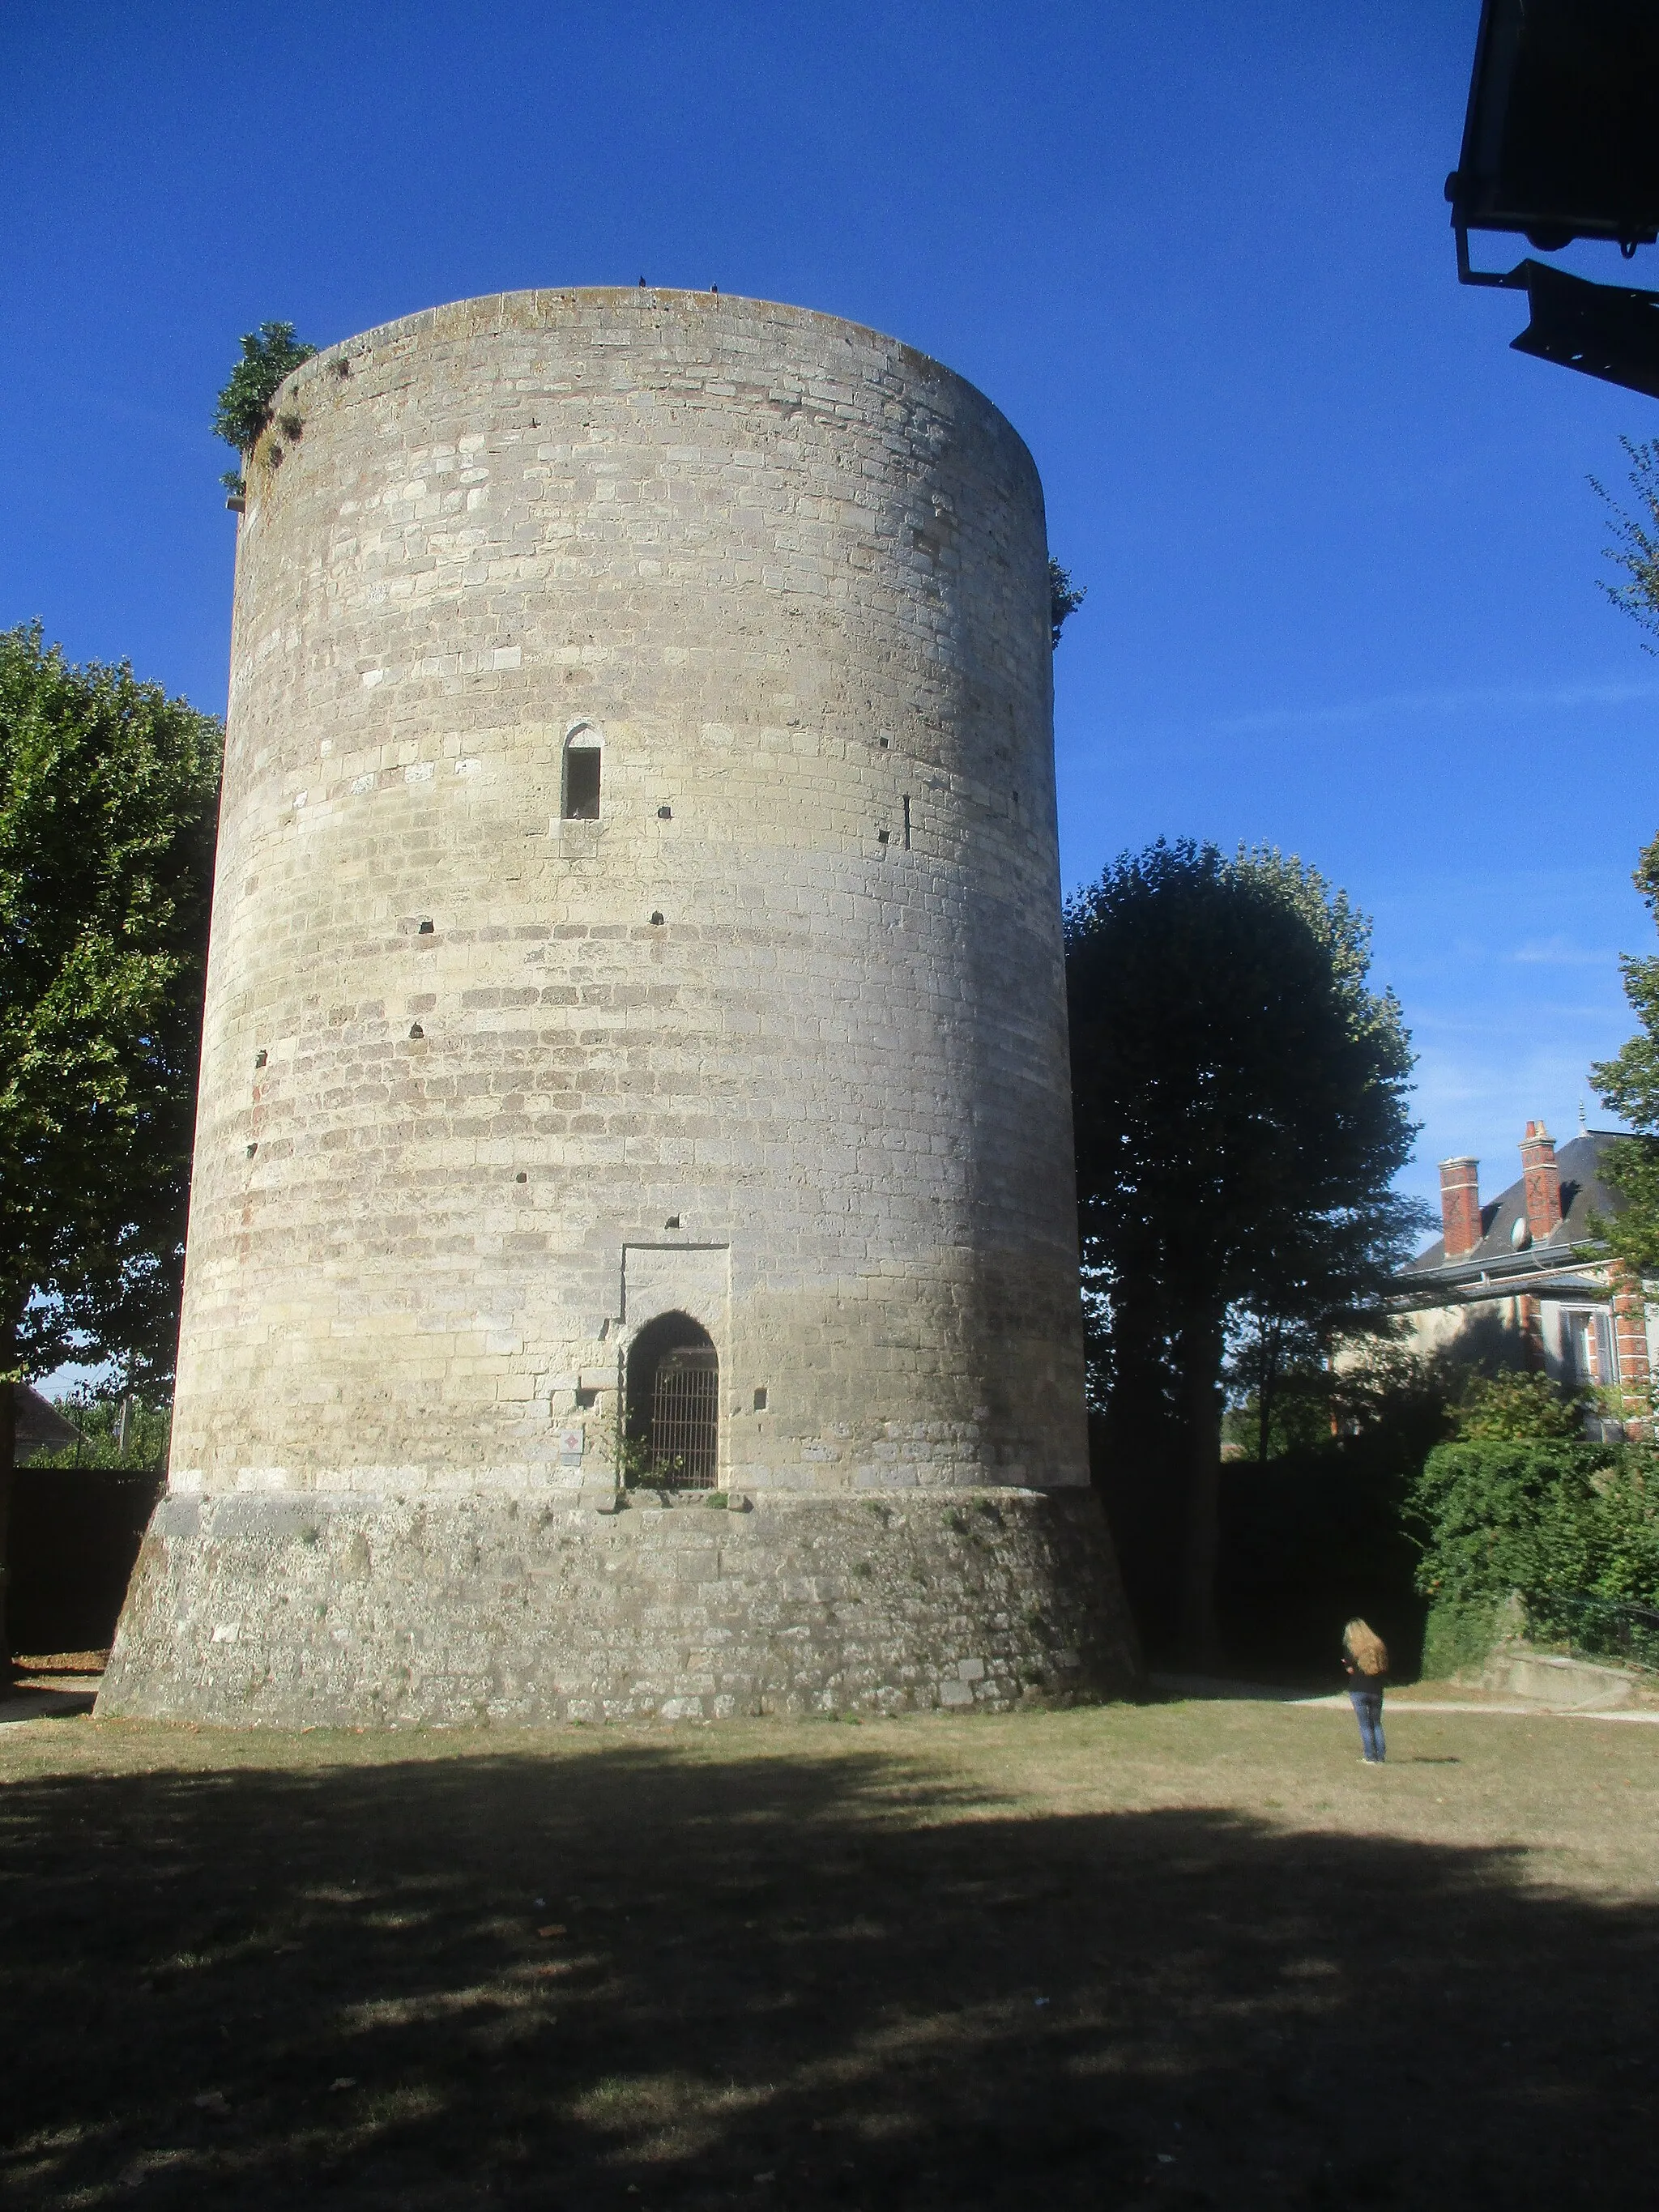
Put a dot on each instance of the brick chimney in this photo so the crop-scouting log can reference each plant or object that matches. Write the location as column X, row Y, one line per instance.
column 1543, row 1181
column 1460, row 1207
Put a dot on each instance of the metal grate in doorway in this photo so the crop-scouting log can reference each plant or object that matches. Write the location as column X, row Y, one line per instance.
column 685, row 1418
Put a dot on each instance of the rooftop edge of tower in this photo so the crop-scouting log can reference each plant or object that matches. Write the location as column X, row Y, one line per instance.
column 526, row 309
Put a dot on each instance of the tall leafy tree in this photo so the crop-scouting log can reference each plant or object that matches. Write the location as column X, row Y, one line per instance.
column 1240, row 1101
column 1635, row 547
column 108, row 798
column 1629, row 1082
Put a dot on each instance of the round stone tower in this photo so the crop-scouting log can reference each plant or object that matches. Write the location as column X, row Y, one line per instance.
column 632, row 1256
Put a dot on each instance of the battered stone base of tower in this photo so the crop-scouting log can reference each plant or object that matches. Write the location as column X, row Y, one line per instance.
column 500, row 1611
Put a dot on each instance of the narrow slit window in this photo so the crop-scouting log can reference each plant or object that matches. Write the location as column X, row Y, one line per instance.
column 582, row 756
column 907, row 821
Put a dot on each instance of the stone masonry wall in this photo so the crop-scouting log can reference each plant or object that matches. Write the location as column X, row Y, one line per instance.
column 779, row 1039
column 778, row 1042
column 464, row 1612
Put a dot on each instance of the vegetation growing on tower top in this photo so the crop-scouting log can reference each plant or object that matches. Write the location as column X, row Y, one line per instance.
column 1065, row 597
column 268, row 354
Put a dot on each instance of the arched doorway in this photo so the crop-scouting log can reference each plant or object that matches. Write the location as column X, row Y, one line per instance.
column 673, row 1403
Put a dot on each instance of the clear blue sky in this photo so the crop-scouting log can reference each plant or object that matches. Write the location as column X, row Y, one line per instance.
column 1341, row 550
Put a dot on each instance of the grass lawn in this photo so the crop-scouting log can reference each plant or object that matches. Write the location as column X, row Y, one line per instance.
column 1174, row 1955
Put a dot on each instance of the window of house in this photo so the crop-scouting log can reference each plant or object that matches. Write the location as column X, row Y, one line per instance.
column 1590, row 1357
column 582, row 756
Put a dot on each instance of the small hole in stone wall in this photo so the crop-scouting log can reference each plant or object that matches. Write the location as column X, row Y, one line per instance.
column 425, row 929
column 656, row 922
column 1017, row 799
column 521, row 1177
column 253, row 1148
column 885, row 743
column 415, row 1030
column 760, row 1399
column 672, row 1222
column 260, row 1058
column 882, row 836
column 587, row 1400
column 664, row 814
column 342, row 367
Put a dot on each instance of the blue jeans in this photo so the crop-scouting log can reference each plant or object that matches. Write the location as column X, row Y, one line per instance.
column 1368, row 1704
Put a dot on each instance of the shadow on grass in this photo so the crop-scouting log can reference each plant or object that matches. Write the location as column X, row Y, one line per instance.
column 786, row 1982
column 31, row 1701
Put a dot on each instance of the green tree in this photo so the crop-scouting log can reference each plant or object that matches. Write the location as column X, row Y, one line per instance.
column 1629, row 1082
column 1065, row 597
column 104, row 1440
column 1635, row 547
column 1502, row 1515
column 1518, row 1407
column 269, row 354
column 108, row 794
column 1569, row 1527
column 1239, row 1096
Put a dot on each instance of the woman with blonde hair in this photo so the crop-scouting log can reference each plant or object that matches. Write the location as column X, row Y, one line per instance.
column 1366, row 1657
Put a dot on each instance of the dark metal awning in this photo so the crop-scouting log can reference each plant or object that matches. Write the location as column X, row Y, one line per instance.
column 1609, row 330
column 1561, row 142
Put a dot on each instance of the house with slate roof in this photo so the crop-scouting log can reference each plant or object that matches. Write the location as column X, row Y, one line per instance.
column 40, row 1427
column 1518, row 1281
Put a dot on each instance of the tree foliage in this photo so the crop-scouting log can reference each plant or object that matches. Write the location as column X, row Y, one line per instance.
column 1629, row 1083
column 1503, row 1515
column 1239, row 1093
column 1515, row 1407
column 1065, row 597
column 269, row 355
column 99, row 1442
column 1546, row 1517
column 1636, row 537
column 1378, row 1388
column 1521, row 1505
column 108, row 794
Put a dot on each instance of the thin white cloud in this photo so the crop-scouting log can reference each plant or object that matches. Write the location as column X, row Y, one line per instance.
column 1561, row 952
column 1515, row 699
